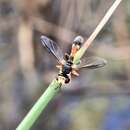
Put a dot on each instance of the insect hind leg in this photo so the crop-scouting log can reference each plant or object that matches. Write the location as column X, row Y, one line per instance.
column 60, row 78
column 63, row 79
column 67, row 80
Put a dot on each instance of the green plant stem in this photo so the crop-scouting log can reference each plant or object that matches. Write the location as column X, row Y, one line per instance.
column 38, row 107
column 79, row 54
column 55, row 86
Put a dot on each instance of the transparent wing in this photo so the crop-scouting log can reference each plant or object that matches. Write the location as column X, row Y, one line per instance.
column 52, row 47
column 91, row 63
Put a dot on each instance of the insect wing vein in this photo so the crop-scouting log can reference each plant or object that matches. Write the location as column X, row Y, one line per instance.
column 91, row 63
column 52, row 47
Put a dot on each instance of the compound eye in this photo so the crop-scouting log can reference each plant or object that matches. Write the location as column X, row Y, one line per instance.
column 79, row 39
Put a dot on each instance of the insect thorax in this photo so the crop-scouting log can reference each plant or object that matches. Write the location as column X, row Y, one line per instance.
column 66, row 69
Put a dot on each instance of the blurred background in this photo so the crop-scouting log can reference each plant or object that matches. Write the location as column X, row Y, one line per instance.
column 97, row 99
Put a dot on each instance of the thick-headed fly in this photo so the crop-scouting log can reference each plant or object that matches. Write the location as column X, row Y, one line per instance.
column 66, row 66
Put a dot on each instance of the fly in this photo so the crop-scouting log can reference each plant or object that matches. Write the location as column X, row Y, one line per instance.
column 66, row 66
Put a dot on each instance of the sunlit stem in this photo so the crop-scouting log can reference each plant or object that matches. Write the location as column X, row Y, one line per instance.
column 105, row 19
column 39, row 106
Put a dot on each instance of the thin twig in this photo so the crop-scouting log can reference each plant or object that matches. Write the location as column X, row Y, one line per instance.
column 96, row 31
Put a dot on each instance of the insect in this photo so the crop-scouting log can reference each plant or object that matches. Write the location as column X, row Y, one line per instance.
column 66, row 66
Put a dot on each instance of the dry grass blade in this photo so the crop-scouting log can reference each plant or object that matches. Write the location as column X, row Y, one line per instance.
column 97, row 30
